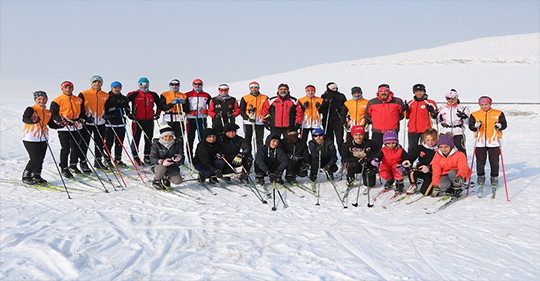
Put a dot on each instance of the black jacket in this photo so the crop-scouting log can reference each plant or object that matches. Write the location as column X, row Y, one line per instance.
column 333, row 102
column 267, row 157
column 299, row 149
column 424, row 154
column 327, row 149
column 116, row 108
column 351, row 148
column 158, row 151
column 231, row 147
column 205, row 154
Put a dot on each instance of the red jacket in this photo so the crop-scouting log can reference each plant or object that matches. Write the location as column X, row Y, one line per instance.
column 456, row 160
column 282, row 112
column 418, row 115
column 391, row 157
column 384, row 114
column 142, row 104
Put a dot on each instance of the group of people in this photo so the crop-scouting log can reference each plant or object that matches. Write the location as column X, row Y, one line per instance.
column 436, row 144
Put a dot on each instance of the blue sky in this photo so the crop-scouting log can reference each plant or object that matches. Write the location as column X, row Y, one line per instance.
column 226, row 41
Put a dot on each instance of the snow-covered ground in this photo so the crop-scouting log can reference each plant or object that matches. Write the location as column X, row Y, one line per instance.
column 140, row 233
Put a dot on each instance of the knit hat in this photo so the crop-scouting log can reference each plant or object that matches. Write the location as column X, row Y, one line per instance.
column 39, row 93
column 384, row 86
column 116, row 84
column 208, row 132
column 166, row 130
column 230, row 127
column 452, row 94
column 66, row 83
column 485, row 99
column 356, row 89
column 447, row 140
column 283, row 85
column 390, row 136
column 275, row 137
column 143, row 80
column 254, row 84
column 96, row 78
column 317, row 131
column 358, row 129
column 418, row 87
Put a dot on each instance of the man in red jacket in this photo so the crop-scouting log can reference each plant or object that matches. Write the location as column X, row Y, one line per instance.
column 384, row 113
column 282, row 112
column 418, row 111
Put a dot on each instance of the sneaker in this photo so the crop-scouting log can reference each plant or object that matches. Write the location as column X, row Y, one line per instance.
column 99, row 165
column 84, row 167
column 27, row 178
column 481, row 180
column 494, row 180
column 120, row 164
column 213, row 180
column 66, row 173
column 411, row 189
column 157, row 185
column 73, row 168
column 388, row 184
column 38, row 179
column 147, row 159
column 350, row 181
column 399, row 186
column 435, row 191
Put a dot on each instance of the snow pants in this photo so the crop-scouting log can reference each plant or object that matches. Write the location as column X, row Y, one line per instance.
column 69, row 143
column 111, row 140
column 138, row 127
column 36, row 152
column 481, row 157
column 172, row 172
column 99, row 132
column 388, row 174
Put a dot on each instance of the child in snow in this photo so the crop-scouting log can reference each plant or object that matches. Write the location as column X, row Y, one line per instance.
column 36, row 118
column 487, row 123
column 319, row 146
column 270, row 160
column 357, row 155
column 453, row 119
column 389, row 160
column 167, row 154
column 206, row 157
column 450, row 168
column 424, row 153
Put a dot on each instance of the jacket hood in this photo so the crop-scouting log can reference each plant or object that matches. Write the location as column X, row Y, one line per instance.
column 271, row 137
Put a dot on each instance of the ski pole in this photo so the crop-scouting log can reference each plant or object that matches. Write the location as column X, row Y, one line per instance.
column 133, row 151
column 183, row 131
column 504, row 175
column 358, row 192
column 335, row 188
column 253, row 187
column 54, row 159
column 472, row 163
column 318, row 181
column 110, row 157
column 127, row 153
column 280, row 196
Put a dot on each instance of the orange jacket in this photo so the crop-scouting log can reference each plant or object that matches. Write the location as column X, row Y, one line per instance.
column 456, row 160
column 69, row 107
column 487, row 135
column 171, row 110
column 312, row 117
column 94, row 105
column 356, row 110
column 37, row 132
column 252, row 102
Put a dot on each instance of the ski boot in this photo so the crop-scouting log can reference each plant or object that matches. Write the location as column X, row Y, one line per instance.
column 228, row 180
column 388, row 184
column 38, row 179
column 120, row 164
column 435, row 191
column 147, row 159
column 201, row 179
column 213, row 180
column 108, row 163
column 27, row 178
column 454, row 191
column 411, row 189
column 157, row 185
column 494, row 181
column 279, row 180
column 350, row 181
column 291, row 179
column 84, row 168
column 166, row 182
column 259, row 178
column 481, row 180
column 399, row 186
column 66, row 173
column 99, row 165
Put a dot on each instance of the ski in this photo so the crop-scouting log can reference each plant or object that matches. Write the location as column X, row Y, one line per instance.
column 186, row 196
column 346, row 194
column 480, row 191
column 446, row 202
column 305, row 188
column 289, row 190
column 207, row 188
column 415, row 198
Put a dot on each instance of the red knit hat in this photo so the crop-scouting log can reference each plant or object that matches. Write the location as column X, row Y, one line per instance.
column 197, row 81
column 254, row 84
column 358, row 129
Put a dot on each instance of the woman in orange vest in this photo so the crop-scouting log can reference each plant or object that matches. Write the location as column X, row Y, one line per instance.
column 355, row 112
column 310, row 105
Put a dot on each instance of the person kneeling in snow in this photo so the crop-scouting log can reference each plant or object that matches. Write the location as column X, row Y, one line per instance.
column 357, row 155
column 236, row 150
column 450, row 168
column 325, row 149
column 207, row 158
column 298, row 155
column 389, row 160
column 270, row 160
column 167, row 154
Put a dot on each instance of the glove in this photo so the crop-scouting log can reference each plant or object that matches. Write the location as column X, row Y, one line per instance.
column 251, row 109
column 296, row 158
column 66, row 122
column 36, row 119
column 400, row 169
column 424, row 169
column 273, row 177
column 458, row 181
column 219, row 155
column 251, row 119
column 130, row 116
column 156, row 116
column 193, row 113
column 430, row 108
column 165, row 162
column 462, row 115
column 376, row 162
column 88, row 119
column 219, row 173
column 203, row 111
column 306, row 104
column 405, row 107
column 327, row 168
column 297, row 126
column 478, row 124
column 317, row 105
column 406, row 163
column 237, row 161
column 498, row 126
column 177, row 158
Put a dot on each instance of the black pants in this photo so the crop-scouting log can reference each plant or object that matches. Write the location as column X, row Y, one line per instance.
column 377, row 139
column 459, row 142
column 305, row 133
column 414, row 140
column 368, row 175
column 481, row 157
column 272, row 169
column 335, row 128
column 259, row 134
column 178, row 128
column 427, row 177
column 293, row 169
column 86, row 133
column 148, row 128
column 195, row 125
column 282, row 132
column 36, row 152
column 69, row 143
column 112, row 132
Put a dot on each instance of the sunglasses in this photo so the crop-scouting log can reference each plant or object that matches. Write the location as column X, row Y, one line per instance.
column 197, row 84
column 144, row 84
column 318, row 136
column 175, row 84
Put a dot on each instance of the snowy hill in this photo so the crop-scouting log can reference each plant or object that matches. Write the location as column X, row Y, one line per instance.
column 143, row 234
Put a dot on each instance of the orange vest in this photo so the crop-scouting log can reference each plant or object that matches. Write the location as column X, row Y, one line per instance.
column 94, row 104
column 356, row 111
column 69, row 108
column 39, row 131
column 312, row 118
column 257, row 103
column 486, row 135
column 169, row 98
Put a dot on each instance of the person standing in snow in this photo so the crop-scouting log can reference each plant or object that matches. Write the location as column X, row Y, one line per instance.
column 251, row 107
column 223, row 109
column 418, row 111
column 282, row 113
column 355, row 112
column 171, row 103
column 166, row 155
column 331, row 109
column 36, row 119
column 310, row 105
column 384, row 113
column 197, row 109
column 487, row 125
column 143, row 115
column 116, row 107
column 453, row 118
